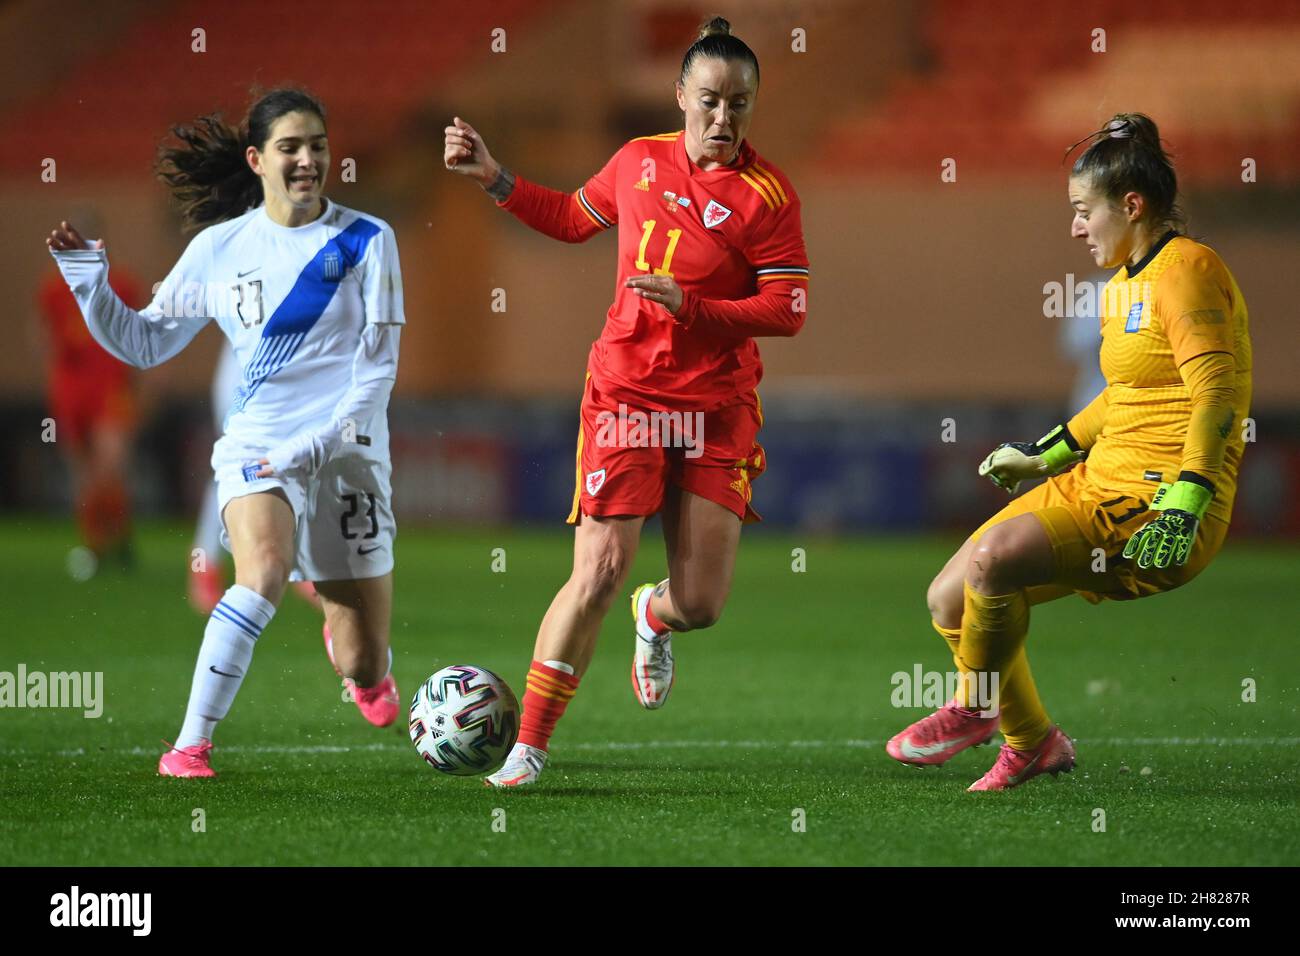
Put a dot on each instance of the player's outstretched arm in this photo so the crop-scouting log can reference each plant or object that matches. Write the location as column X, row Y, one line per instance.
column 1013, row 462
column 549, row 211
column 143, row 339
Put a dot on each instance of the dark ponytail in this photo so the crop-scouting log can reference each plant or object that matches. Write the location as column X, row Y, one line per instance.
column 715, row 40
column 206, row 170
column 1126, row 156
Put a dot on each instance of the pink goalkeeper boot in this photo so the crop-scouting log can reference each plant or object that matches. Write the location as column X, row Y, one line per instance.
column 1054, row 755
column 945, row 733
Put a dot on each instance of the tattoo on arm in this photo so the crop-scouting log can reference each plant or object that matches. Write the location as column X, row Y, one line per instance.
column 502, row 186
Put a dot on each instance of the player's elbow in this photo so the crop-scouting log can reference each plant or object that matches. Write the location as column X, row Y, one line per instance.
column 575, row 234
column 141, row 360
column 792, row 311
column 790, row 324
column 149, row 359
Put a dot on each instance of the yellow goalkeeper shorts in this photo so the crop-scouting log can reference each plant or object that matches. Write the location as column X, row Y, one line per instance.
column 1088, row 539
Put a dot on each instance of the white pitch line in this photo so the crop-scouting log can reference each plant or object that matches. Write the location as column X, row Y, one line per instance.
column 675, row 745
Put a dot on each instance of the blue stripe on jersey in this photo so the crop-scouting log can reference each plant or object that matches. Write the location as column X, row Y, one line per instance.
column 316, row 284
column 302, row 308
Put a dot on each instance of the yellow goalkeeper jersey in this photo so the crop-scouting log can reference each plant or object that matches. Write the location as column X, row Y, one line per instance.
column 1178, row 303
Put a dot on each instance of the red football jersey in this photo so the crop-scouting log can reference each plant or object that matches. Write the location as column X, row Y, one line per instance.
column 730, row 237
column 78, row 360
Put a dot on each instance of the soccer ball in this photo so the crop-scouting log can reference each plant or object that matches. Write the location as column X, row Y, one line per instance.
column 464, row 720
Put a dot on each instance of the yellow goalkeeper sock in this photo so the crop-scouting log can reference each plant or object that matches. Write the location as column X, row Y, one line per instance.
column 969, row 680
column 952, row 637
column 1024, row 721
column 993, row 629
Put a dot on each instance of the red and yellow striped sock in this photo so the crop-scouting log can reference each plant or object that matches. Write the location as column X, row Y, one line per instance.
column 546, row 694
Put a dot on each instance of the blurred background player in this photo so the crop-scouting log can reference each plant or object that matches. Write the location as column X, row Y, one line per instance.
column 1149, row 508
column 309, row 294
column 208, row 581
column 710, row 255
column 1079, row 342
column 91, row 399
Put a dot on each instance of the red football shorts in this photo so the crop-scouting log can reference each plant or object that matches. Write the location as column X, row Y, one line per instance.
column 627, row 457
column 79, row 408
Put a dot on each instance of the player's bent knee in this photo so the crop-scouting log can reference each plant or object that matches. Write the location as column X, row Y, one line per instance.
column 699, row 613
column 992, row 567
column 945, row 600
column 266, row 571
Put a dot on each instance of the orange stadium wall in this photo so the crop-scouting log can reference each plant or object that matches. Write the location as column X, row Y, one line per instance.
column 921, row 290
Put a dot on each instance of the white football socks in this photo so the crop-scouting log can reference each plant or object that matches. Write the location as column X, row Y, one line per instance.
column 227, row 650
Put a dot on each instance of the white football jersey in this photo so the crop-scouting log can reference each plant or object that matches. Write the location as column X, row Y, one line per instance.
column 293, row 303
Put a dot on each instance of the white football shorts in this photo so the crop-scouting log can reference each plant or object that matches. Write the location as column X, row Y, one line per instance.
column 345, row 516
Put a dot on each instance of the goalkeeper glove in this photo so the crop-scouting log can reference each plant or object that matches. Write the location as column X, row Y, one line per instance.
column 1013, row 462
column 1169, row 538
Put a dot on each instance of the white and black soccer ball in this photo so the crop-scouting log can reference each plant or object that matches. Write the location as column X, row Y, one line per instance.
column 464, row 720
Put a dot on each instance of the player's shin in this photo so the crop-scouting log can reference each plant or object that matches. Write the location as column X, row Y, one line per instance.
column 227, row 650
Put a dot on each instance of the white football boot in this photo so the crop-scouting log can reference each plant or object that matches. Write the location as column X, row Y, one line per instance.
column 653, row 671
column 523, row 766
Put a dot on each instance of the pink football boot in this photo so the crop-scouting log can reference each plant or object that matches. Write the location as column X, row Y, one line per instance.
column 1054, row 755
column 206, row 589
column 187, row 761
column 378, row 704
column 945, row 733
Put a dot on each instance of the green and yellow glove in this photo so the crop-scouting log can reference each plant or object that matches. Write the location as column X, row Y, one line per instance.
column 1169, row 538
column 1013, row 462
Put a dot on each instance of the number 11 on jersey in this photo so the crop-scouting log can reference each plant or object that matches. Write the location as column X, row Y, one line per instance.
column 673, row 235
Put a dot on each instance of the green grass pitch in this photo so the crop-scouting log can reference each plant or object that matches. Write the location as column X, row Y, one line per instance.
column 783, row 707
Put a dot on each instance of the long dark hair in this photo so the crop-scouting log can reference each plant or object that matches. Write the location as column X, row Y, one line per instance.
column 715, row 39
column 1126, row 156
column 206, row 170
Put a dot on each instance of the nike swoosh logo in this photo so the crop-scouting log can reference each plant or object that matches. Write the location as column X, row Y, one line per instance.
column 222, row 673
column 240, row 275
column 368, row 550
column 908, row 749
column 1029, row 766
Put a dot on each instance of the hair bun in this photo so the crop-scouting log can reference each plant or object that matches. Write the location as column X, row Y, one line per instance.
column 718, row 26
column 1119, row 128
